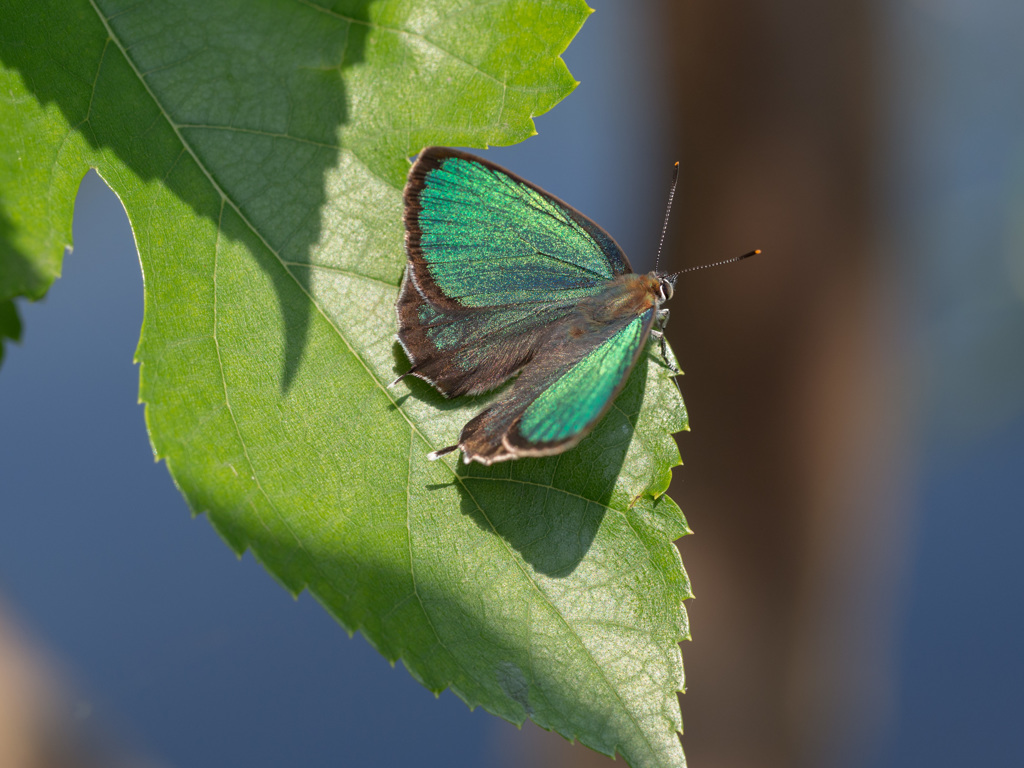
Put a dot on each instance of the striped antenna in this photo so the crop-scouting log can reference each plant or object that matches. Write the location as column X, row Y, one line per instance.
column 668, row 210
column 716, row 264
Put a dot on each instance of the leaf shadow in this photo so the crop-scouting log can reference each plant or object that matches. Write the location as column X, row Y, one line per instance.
column 549, row 509
column 265, row 134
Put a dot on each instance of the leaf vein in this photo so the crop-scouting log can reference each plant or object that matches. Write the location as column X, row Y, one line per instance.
column 256, row 132
column 338, row 270
column 412, row 562
column 547, row 487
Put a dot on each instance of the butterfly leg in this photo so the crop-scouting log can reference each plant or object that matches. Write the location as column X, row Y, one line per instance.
column 661, row 320
column 660, row 336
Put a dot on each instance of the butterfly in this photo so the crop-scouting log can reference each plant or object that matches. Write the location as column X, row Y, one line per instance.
column 504, row 278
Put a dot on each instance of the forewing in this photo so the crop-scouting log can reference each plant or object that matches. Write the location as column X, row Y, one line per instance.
column 558, row 399
column 480, row 236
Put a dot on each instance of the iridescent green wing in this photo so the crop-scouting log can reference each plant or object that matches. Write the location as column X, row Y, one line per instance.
column 480, row 236
column 494, row 263
column 560, row 397
column 469, row 350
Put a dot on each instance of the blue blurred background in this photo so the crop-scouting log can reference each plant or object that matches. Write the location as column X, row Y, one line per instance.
column 877, row 582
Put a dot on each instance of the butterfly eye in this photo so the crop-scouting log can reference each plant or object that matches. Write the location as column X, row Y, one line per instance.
column 666, row 290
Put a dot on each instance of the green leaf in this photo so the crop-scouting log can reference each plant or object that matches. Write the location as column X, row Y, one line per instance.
column 10, row 325
column 260, row 149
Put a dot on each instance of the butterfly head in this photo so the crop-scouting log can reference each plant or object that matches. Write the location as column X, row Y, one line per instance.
column 666, row 287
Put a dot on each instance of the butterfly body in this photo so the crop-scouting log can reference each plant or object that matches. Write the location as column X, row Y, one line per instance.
column 627, row 295
column 506, row 280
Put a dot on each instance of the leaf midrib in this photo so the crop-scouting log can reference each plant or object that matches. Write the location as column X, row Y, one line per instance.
column 225, row 199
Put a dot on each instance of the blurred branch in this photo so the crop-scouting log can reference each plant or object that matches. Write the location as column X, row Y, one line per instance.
column 40, row 727
column 793, row 467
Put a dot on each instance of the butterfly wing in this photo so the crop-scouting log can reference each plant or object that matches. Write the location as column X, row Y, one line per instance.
column 469, row 350
column 494, row 263
column 557, row 400
column 480, row 236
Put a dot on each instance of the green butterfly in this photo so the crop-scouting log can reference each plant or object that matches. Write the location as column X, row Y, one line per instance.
column 504, row 278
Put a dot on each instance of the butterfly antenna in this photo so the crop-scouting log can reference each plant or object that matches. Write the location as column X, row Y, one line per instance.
column 668, row 210
column 716, row 264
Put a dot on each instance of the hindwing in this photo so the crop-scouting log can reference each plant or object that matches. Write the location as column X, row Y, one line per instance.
column 556, row 400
